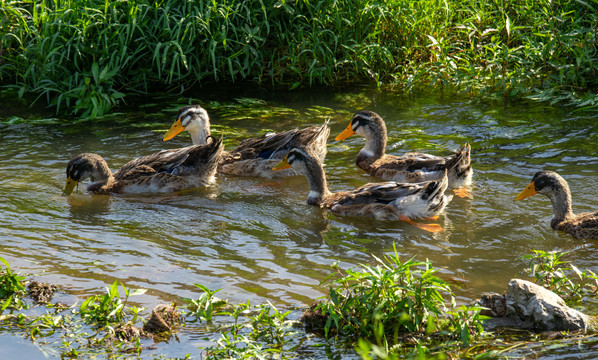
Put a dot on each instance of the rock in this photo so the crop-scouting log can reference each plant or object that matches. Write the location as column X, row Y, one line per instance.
column 496, row 304
column 545, row 309
column 531, row 307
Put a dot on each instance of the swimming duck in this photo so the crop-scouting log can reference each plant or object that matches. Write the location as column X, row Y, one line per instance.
column 164, row 171
column 410, row 167
column 551, row 184
column 385, row 201
column 255, row 156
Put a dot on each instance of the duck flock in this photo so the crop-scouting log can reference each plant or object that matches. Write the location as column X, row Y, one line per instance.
column 414, row 185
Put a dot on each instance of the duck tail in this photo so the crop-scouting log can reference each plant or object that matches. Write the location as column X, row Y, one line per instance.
column 214, row 147
column 461, row 160
column 437, row 187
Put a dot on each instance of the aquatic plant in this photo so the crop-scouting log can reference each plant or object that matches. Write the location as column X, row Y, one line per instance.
column 265, row 333
column 109, row 308
column 373, row 307
column 390, row 307
column 84, row 56
column 207, row 305
column 11, row 288
column 561, row 277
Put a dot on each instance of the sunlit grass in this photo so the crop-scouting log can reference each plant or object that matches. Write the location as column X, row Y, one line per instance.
column 393, row 310
column 83, row 56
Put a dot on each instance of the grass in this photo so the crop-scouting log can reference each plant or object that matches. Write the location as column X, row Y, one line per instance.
column 393, row 310
column 384, row 310
column 563, row 278
column 85, row 56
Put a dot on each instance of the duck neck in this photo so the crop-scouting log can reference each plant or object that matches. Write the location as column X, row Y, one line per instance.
column 374, row 148
column 101, row 176
column 199, row 136
column 561, row 202
column 318, row 187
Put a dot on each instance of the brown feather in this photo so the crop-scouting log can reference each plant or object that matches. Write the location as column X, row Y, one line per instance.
column 164, row 171
column 410, row 167
column 387, row 201
column 552, row 185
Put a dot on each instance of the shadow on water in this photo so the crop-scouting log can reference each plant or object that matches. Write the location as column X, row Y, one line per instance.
column 256, row 239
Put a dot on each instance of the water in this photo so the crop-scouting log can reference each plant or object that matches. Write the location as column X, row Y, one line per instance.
column 256, row 239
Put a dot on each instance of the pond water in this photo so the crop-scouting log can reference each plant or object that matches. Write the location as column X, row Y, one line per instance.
column 257, row 239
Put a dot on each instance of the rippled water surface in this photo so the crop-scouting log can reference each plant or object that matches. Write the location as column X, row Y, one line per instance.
column 256, row 239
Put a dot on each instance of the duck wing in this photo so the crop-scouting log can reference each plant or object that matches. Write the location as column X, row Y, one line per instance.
column 391, row 191
column 182, row 161
column 584, row 226
column 277, row 145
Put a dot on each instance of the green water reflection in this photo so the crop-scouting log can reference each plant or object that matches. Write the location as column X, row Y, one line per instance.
column 256, row 239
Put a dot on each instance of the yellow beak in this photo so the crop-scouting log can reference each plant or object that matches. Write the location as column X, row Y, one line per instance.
column 346, row 133
column 283, row 164
column 527, row 192
column 70, row 185
column 175, row 129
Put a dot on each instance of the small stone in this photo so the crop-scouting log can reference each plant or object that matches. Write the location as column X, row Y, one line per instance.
column 496, row 304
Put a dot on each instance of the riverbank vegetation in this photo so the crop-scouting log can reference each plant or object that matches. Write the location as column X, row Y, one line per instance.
column 84, row 57
column 391, row 310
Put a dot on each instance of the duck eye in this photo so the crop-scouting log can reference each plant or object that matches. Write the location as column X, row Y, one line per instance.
column 186, row 120
column 360, row 121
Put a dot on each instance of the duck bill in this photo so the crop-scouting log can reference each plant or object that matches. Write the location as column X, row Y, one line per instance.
column 70, row 185
column 527, row 192
column 175, row 129
column 283, row 164
column 345, row 134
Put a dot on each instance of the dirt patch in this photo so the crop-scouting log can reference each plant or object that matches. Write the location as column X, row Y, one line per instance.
column 41, row 292
column 128, row 333
column 164, row 318
column 314, row 320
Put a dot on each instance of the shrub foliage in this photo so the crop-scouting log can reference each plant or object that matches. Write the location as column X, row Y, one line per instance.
column 85, row 55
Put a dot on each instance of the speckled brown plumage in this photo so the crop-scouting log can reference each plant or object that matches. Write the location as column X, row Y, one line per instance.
column 551, row 184
column 410, row 167
column 164, row 171
column 255, row 156
column 386, row 201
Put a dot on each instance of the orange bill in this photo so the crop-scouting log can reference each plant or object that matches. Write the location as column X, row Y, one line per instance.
column 346, row 133
column 527, row 192
column 175, row 129
column 69, row 187
column 283, row 164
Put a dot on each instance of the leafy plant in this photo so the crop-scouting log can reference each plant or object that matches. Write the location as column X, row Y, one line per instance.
column 381, row 307
column 207, row 305
column 11, row 288
column 84, row 56
column 561, row 277
column 265, row 333
column 109, row 308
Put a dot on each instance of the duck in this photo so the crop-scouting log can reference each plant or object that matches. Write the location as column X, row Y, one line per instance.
column 384, row 201
column 410, row 167
column 551, row 184
column 164, row 171
column 253, row 156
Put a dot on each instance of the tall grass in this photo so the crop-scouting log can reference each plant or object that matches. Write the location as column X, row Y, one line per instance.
column 85, row 55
